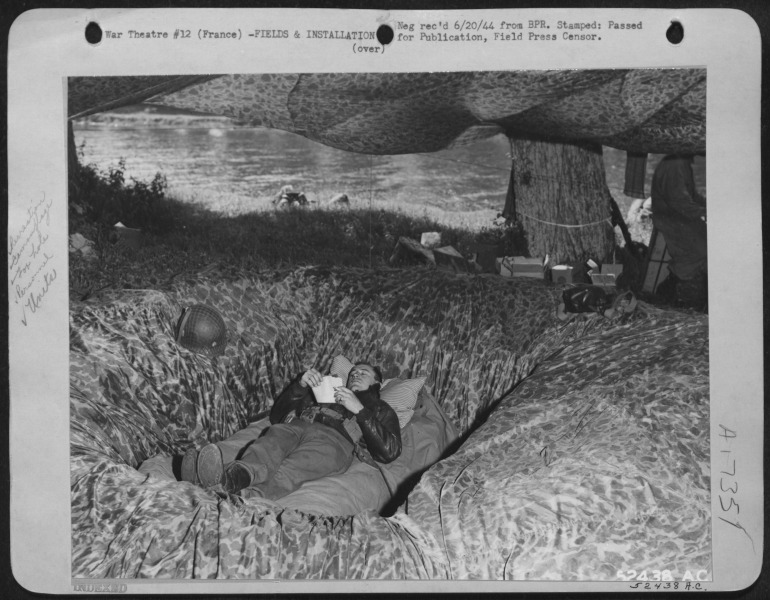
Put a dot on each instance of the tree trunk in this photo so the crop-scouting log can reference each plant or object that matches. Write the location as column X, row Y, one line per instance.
column 562, row 200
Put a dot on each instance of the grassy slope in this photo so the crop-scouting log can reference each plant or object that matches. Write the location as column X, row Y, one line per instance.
column 181, row 236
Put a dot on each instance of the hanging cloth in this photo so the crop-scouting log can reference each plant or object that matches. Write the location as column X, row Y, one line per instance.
column 636, row 172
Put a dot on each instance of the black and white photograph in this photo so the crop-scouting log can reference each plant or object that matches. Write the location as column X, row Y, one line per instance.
column 453, row 324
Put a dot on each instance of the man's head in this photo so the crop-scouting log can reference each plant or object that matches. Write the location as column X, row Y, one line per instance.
column 362, row 376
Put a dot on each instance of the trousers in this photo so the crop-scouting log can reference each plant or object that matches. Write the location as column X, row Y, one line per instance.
column 288, row 454
column 687, row 244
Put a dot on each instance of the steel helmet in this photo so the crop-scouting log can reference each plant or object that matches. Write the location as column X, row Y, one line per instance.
column 202, row 329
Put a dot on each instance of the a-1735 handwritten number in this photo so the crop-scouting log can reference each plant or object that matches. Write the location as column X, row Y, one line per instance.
column 728, row 483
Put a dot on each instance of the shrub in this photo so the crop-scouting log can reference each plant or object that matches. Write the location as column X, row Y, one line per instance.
column 509, row 236
column 104, row 199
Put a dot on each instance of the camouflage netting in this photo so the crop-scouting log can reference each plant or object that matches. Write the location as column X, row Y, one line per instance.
column 587, row 450
column 638, row 110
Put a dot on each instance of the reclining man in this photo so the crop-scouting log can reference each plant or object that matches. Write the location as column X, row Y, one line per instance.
column 305, row 440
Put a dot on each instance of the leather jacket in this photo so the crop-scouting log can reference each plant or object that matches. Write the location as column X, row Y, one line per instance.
column 381, row 432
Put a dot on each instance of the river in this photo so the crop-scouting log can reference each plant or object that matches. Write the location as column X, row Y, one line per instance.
column 254, row 164
column 237, row 169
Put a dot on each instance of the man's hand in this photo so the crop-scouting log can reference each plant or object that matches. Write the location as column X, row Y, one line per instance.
column 348, row 399
column 311, row 378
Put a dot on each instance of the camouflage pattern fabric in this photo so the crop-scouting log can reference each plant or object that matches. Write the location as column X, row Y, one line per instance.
column 661, row 111
column 597, row 463
column 509, row 374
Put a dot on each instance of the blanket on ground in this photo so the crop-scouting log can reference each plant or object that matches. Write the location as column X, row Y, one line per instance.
column 490, row 348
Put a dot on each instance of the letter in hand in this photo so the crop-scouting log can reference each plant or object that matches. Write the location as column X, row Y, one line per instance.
column 348, row 399
column 324, row 391
column 311, row 378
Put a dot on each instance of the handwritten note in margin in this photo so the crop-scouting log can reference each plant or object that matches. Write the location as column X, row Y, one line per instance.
column 30, row 261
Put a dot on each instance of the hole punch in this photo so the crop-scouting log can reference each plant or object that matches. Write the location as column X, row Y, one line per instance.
column 385, row 34
column 675, row 32
column 93, row 33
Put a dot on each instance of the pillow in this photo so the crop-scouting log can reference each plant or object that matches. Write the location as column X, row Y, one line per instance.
column 341, row 367
column 400, row 394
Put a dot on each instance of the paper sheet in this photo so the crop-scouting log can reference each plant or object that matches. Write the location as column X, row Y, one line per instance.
column 324, row 393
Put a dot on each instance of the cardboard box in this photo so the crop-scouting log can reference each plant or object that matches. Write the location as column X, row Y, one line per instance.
column 607, row 276
column 450, row 259
column 409, row 251
column 430, row 239
column 561, row 274
column 615, row 270
column 519, row 266
column 607, row 280
column 486, row 256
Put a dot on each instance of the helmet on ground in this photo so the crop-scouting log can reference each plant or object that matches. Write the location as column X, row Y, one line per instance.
column 201, row 329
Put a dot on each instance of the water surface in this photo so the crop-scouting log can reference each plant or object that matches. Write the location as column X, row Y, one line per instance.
column 256, row 163
column 239, row 169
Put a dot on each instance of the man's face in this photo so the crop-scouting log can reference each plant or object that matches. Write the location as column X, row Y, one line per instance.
column 361, row 377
